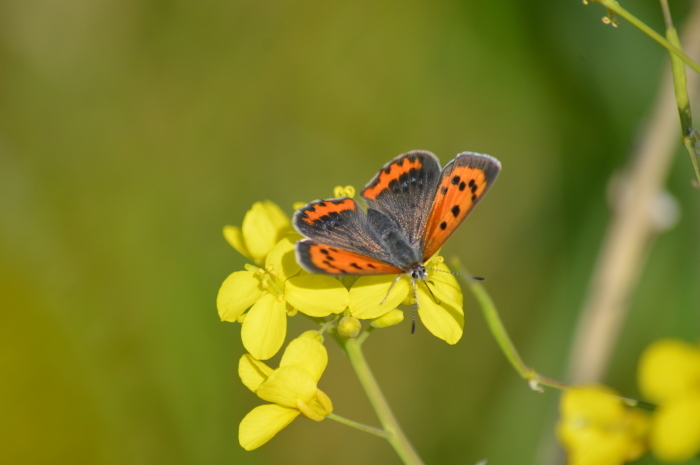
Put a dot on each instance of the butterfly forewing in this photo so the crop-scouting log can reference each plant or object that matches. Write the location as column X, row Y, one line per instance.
column 404, row 189
column 320, row 258
column 464, row 181
column 340, row 222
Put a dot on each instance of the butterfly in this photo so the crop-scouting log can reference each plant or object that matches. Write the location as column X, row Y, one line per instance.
column 413, row 207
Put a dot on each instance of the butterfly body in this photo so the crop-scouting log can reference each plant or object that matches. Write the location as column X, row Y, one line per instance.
column 412, row 208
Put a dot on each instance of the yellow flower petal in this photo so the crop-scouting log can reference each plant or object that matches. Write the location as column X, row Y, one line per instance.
column 592, row 404
column 368, row 292
column 282, row 260
column 315, row 335
column 234, row 236
column 238, row 292
column 262, row 423
column 308, row 354
column 287, row 384
column 669, row 368
column 324, row 402
column 263, row 226
column 597, row 429
column 253, row 372
column 445, row 320
column 445, row 285
column 391, row 318
column 595, row 447
column 264, row 327
column 675, row 433
column 316, row 295
column 276, row 216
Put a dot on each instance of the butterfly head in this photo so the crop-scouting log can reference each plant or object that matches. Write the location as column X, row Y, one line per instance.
column 418, row 272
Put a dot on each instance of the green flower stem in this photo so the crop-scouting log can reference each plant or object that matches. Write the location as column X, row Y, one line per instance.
column 612, row 5
column 692, row 145
column 360, row 426
column 680, row 85
column 499, row 332
column 391, row 427
column 501, row 335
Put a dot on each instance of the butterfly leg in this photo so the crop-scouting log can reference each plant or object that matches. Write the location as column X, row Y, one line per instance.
column 435, row 299
column 416, row 305
column 390, row 289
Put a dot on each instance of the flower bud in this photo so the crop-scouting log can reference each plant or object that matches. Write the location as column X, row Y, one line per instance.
column 349, row 327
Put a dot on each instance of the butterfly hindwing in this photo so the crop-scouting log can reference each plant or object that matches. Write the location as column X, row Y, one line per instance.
column 463, row 182
column 320, row 258
column 404, row 189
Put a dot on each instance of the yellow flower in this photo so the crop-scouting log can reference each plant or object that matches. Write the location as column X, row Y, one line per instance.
column 264, row 225
column 444, row 318
column 292, row 389
column 273, row 293
column 596, row 428
column 669, row 375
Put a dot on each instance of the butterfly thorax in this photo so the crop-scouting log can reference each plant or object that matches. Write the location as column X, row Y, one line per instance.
column 396, row 244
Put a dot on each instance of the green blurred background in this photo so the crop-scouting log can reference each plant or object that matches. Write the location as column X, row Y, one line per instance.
column 132, row 132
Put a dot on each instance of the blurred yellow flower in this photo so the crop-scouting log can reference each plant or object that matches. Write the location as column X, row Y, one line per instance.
column 264, row 225
column 292, row 389
column 444, row 320
column 669, row 375
column 271, row 294
column 596, row 428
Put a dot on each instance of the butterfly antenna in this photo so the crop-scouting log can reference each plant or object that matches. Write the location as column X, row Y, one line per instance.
column 390, row 288
column 476, row 278
column 443, row 271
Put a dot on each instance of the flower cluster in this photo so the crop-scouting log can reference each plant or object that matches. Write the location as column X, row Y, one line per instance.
column 275, row 287
column 669, row 375
column 597, row 428
column 292, row 389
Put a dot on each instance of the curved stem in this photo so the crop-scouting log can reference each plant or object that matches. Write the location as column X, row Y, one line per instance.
column 360, row 426
column 395, row 435
column 615, row 7
column 534, row 379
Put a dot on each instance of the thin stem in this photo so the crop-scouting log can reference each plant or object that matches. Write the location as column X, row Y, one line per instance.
column 632, row 227
column 498, row 330
column 395, row 435
column 615, row 7
column 680, row 86
column 501, row 335
column 690, row 143
column 365, row 334
column 360, row 426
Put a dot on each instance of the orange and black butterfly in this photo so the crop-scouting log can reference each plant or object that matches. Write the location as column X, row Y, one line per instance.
column 412, row 208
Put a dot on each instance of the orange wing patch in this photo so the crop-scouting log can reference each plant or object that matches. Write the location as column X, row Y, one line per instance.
column 390, row 173
column 316, row 210
column 320, row 258
column 458, row 192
